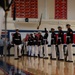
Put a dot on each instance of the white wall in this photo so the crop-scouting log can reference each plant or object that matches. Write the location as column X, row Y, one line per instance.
column 1, row 19
column 50, row 9
column 41, row 8
column 71, row 9
column 47, row 8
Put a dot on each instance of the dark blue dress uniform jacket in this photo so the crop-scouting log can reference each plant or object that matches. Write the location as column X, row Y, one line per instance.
column 60, row 37
column 69, row 36
column 17, row 38
column 45, row 38
column 53, row 38
column 40, row 40
column 35, row 40
column 29, row 39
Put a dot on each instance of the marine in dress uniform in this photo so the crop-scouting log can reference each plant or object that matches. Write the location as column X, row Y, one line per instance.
column 32, row 45
column 53, row 44
column 45, row 43
column 69, row 43
column 36, row 45
column 60, row 43
column 17, row 43
column 40, row 45
column 29, row 45
column 26, row 43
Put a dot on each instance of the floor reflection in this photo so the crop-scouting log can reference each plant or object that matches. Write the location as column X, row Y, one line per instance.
column 36, row 66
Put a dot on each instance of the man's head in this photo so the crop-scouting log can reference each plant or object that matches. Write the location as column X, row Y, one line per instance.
column 46, row 30
column 52, row 29
column 68, row 26
column 17, row 30
column 39, row 33
column 34, row 34
column 59, row 28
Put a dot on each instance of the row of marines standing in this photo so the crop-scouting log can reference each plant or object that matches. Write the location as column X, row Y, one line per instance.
column 36, row 42
column 60, row 43
column 33, row 44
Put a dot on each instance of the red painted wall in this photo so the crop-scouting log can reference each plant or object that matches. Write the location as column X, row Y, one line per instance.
column 26, row 8
column 60, row 9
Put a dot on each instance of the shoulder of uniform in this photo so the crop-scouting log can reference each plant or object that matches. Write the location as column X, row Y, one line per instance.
column 13, row 34
column 47, row 32
column 70, row 29
column 62, row 32
column 19, row 34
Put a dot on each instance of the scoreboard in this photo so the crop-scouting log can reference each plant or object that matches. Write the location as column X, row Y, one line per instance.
column 26, row 8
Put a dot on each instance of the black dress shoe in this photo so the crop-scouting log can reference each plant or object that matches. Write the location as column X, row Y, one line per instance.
column 50, row 57
column 32, row 56
column 53, row 58
column 40, row 57
column 19, row 56
column 61, row 59
column 49, row 54
column 45, row 57
column 69, row 61
column 8, row 55
column 58, row 58
column 29, row 55
column 36, row 56
column 16, row 58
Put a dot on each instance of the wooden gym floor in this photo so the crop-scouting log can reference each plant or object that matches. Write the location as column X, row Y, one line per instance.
column 35, row 66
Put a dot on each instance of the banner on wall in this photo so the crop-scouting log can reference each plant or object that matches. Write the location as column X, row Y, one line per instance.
column 60, row 9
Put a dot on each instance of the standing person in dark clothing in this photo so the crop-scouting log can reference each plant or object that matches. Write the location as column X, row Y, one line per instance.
column 8, row 46
column 29, row 45
column 26, row 46
column 69, row 43
column 60, row 43
column 1, row 46
column 36, row 45
column 46, row 44
column 32, row 45
column 17, row 43
column 40, row 43
column 53, row 44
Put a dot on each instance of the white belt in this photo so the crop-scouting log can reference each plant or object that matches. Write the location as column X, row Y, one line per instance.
column 26, row 41
column 68, row 36
column 52, row 38
column 39, row 40
column 44, row 39
column 16, row 39
column 34, row 40
column 59, row 37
